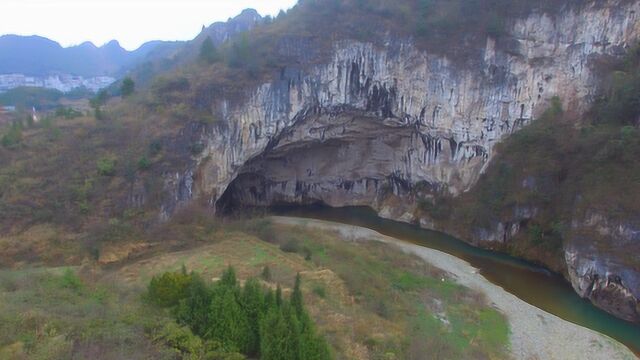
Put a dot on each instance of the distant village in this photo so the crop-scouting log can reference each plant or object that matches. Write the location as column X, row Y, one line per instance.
column 61, row 82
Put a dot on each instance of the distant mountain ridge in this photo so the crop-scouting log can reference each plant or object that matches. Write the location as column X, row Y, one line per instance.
column 164, row 58
column 221, row 31
column 39, row 56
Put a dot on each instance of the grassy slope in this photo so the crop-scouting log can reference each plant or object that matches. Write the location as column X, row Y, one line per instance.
column 370, row 301
column 53, row 191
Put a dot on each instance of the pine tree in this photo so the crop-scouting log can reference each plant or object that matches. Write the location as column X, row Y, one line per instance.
column 275, row 335
column 194, row 310
column 292, row 336
column 269, row 301
column 229, row 324
column 240, row 54
column 228, row 279
column 128, row 87
column 312, row 346
column 253, row 304
column 266, row 273
column 208, row 51
column 296, row 297
column 279, row 296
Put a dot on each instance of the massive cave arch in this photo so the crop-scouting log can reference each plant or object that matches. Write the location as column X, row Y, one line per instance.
column 346, row 157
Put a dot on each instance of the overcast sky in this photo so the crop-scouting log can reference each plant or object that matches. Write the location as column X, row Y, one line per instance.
column 131, row 22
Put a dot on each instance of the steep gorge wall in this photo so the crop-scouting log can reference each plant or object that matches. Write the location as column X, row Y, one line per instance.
column 381, row 119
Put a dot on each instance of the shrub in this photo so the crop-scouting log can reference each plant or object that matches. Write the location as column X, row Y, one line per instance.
column 13, row 137
column 307, row 253
column 266, row 273
column 127, row 88
column 170, row 89
column 180, row 338
column 67, row 113
column 70, row 280
column 169, row 288
column 291, row 246
column 320, row 291
column 155, row 147
column 144, row 163
column 263, row 228
column 106, row 166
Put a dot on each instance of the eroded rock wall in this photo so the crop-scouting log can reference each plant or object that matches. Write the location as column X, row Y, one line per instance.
column 461, row 111
column 384, row 118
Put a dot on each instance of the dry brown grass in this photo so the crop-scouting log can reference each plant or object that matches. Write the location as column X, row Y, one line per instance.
column 42, row 243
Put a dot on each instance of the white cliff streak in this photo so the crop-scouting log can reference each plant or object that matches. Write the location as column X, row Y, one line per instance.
column 462, row 110
column 433, row 119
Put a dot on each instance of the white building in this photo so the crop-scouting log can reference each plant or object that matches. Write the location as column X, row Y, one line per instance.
column 61, row 82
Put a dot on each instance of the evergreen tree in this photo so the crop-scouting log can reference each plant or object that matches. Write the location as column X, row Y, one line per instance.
column 296, row 297
column 97, row 102
column 194, row 310
column 229, row 324
column 252, row 302
column 292, row 335
column 240, row 54
column 266, row 273
column 279, row 296
column 269, row 301
column 228, row 279
column 312, row 346
column 274, row 331
column 128, row 87
column 100, row 99
column 208, row 51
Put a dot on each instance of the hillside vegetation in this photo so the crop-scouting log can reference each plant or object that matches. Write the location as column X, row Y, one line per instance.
column 367, row 300
column 92, row 181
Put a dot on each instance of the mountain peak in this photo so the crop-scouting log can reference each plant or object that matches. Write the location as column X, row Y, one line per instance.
column 88, row 45
column 112, row 44
column 249, row 12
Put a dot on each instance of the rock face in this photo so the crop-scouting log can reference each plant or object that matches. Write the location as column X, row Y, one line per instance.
column 376, row 120
column 221, row 31
column 612, row 283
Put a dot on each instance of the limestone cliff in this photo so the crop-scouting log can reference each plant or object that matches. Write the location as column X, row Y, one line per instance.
column 378, row 120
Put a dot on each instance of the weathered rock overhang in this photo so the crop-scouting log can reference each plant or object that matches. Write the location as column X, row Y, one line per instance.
column 339, row 157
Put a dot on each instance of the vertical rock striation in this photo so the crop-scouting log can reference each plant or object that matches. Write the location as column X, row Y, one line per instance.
column 378, row 119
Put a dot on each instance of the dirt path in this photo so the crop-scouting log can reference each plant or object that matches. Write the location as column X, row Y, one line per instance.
column 535, row 334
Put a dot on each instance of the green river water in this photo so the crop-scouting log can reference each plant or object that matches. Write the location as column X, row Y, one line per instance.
column 531, row 283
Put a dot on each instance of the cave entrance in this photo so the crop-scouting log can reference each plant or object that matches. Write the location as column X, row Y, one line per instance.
column 339, row 160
